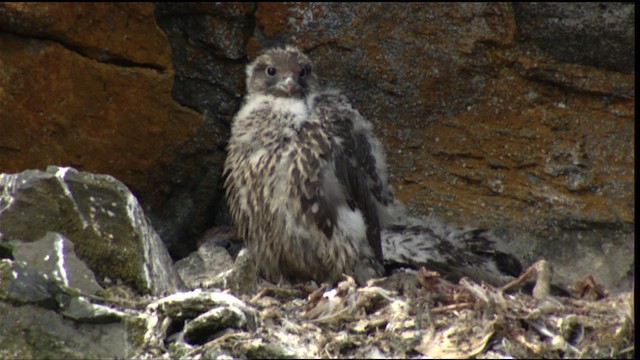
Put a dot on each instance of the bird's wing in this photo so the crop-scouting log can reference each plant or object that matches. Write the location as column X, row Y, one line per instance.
column 454, row 254
column 355, row 160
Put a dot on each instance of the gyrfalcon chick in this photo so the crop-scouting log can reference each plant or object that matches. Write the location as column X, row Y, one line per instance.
column 306, row 180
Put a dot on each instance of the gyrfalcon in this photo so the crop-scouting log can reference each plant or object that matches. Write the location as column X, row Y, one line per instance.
column 308, row 189
column 306, row 179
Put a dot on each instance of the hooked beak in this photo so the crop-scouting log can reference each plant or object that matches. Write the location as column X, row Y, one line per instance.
column 288, row 85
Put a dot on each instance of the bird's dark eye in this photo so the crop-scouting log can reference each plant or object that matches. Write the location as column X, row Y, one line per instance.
column 271, row 71
column 305, row 71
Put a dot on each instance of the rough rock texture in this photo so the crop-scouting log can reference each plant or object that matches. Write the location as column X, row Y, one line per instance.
column 513, row 117
column 211, row 259
column 596, row 34
column 98, row 214
column 104, row 32
column 89, row 85
column 41, row 318
column 54, row 256
column 208, row 51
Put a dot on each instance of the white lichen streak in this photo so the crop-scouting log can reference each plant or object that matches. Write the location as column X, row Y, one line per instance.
column 6, row 199
column 135, row 215
column 60, row 174
column 61, row 271
column 156, row 324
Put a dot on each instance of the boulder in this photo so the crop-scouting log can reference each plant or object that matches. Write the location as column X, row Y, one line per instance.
column 98, row 214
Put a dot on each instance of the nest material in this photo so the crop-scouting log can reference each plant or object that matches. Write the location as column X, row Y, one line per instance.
column 419, row 314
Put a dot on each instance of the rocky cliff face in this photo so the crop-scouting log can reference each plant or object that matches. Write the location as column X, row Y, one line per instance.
column 517, row 118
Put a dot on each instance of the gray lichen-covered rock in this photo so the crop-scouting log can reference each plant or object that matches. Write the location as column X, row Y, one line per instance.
column 212, row 258
column 98, row 214
column 243, row 279
column 177, row 310
column 54, row 255
column 32, row 332
column 202, row 328
column 83, row 311
column 42, row 318
column 212, row 266
column 21, row 285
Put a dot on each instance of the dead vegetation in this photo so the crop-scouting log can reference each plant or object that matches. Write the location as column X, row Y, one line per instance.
column 414, row 315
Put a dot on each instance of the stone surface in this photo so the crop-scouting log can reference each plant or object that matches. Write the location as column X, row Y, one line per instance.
column 22, row 284
column 109, row 33
column 189, row 305
column 41, row 318
column 98, row 214
column 244, row 277
column 203, row 328
column 58, row 107
column 32, row 332
column 208, row 43
column 211, row 258
column 596, row 33
column 89, row 85
column 54, row 255
column 82, row 311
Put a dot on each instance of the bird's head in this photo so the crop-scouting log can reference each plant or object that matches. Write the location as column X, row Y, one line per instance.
column 283, row 72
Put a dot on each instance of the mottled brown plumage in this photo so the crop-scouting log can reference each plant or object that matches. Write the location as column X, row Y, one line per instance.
column 305, row 177
column 307, row 187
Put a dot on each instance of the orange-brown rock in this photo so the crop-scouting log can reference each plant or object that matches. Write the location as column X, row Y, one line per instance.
column 62, row 102
column 124, row 32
